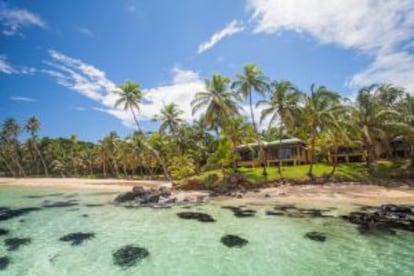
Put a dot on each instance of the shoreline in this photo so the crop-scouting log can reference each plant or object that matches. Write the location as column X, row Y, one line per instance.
column 346, row 194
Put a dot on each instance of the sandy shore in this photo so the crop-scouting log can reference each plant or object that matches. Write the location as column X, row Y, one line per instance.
column 323, row 195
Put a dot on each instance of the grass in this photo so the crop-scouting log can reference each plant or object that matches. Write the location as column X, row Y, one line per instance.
column 345, row 171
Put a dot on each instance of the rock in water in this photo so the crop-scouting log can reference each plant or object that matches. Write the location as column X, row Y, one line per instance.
column 129, row 255
column 77, row 238
column 6, row 214
column 14, row 243
column 4, row 262
column 3, row 231
column 196, row 216
column 233, row 241
column 316, row 236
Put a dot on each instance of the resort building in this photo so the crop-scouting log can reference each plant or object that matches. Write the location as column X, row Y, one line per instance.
column 292, row 152
column 348, row 154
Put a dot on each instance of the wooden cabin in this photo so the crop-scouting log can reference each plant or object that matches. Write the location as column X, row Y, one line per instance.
column 348, row 154
column 292, row 152
column 401, row 147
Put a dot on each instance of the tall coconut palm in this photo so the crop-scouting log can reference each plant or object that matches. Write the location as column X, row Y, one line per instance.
column 11, row 131
column 406, row 108
column 32, row 126
column 130, row 97
column 373, row 119
column 319, row 113
column 282, row 108
column 217, row 100
column 252, row 80
column 169, row 118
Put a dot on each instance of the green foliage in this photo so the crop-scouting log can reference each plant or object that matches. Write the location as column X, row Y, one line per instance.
column 223, row 157
column 181, row 166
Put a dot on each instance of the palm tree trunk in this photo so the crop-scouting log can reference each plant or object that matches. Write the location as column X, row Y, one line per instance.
column 257, row 136
column 153, row 151
column 7, row 164
column 279, row 163
column 310, row 172
column 15, row 159
column 334, row 163
column 41, row 157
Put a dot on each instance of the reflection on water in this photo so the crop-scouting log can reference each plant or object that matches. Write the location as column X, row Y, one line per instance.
column 94, row 237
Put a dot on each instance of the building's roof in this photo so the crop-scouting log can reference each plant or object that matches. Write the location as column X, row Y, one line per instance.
column 265, row 144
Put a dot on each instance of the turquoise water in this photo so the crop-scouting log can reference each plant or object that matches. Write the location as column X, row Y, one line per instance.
column 276, row 245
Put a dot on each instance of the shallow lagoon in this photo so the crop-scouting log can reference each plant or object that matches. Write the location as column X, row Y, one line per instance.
column 276, row 244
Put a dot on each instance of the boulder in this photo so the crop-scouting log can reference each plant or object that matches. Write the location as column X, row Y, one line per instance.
column 233, row 241
column 13, row 244
column 129, row 255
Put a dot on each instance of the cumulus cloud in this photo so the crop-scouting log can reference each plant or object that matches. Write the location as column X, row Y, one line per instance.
column 232, row 28
column 13, row 20
column 380, row 29
column 93, row 83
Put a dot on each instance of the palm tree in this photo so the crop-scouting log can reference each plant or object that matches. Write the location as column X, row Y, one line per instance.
column 11, row 131
column 32, row 126
column 252, row 80
column 373, row 120
column 281, row 107
column 170, row 119
column 219, row 103
column 130, row 96
column 319, row 114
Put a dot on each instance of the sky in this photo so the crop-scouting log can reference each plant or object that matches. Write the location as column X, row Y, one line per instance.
column 61, row 60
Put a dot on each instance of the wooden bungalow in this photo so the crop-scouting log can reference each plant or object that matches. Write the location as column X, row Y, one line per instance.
column 346, row 154
column 292, row 152
column 401, row 147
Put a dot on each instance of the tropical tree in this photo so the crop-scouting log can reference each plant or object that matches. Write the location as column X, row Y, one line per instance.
column 32, row 126
column 319, row 114
column 219, row 103
column 252, row 80
column 282, row 108
column 11, row 130
column 169, row 118
column 130, row 97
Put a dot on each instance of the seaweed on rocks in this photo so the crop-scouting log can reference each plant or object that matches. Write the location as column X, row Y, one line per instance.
column 6, row 214
column 241, row 211
column 77, row 238
column 233, row 241
column 130, row 255
column 4, row 262
column 3, row 231
column 13, row 244
column 316, row 236
column 202, row 217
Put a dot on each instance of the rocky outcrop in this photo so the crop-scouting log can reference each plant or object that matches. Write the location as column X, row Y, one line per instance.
column 129, row 255
column 202, row 217
column 139, row 196
column 316, row 236
column 384, row 219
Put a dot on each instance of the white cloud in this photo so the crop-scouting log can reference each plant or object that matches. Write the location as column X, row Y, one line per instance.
column 86, row 32
column 93, row 84
column 22, row 99
column 379, row 29
column 7, row 68
column 232, row 28
column 13, row 20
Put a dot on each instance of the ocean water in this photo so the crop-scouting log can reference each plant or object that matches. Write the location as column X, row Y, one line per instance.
column 276, row 244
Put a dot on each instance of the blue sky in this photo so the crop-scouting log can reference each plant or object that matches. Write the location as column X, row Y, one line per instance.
column 60, row 60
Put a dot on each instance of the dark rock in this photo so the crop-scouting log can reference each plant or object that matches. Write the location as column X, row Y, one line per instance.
column 14, row 243
column 164, row 192
column 59, row 204
column 127, row 196
column 196, row 216
column 77, row 238
column 3, row 231
column 139, row 190
column 274, row 213
column 240, row 211
column 316, row 236
column 85, row 215
column 129, row 255
column 6, row 214
column 4, row 262
column 233, row 241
